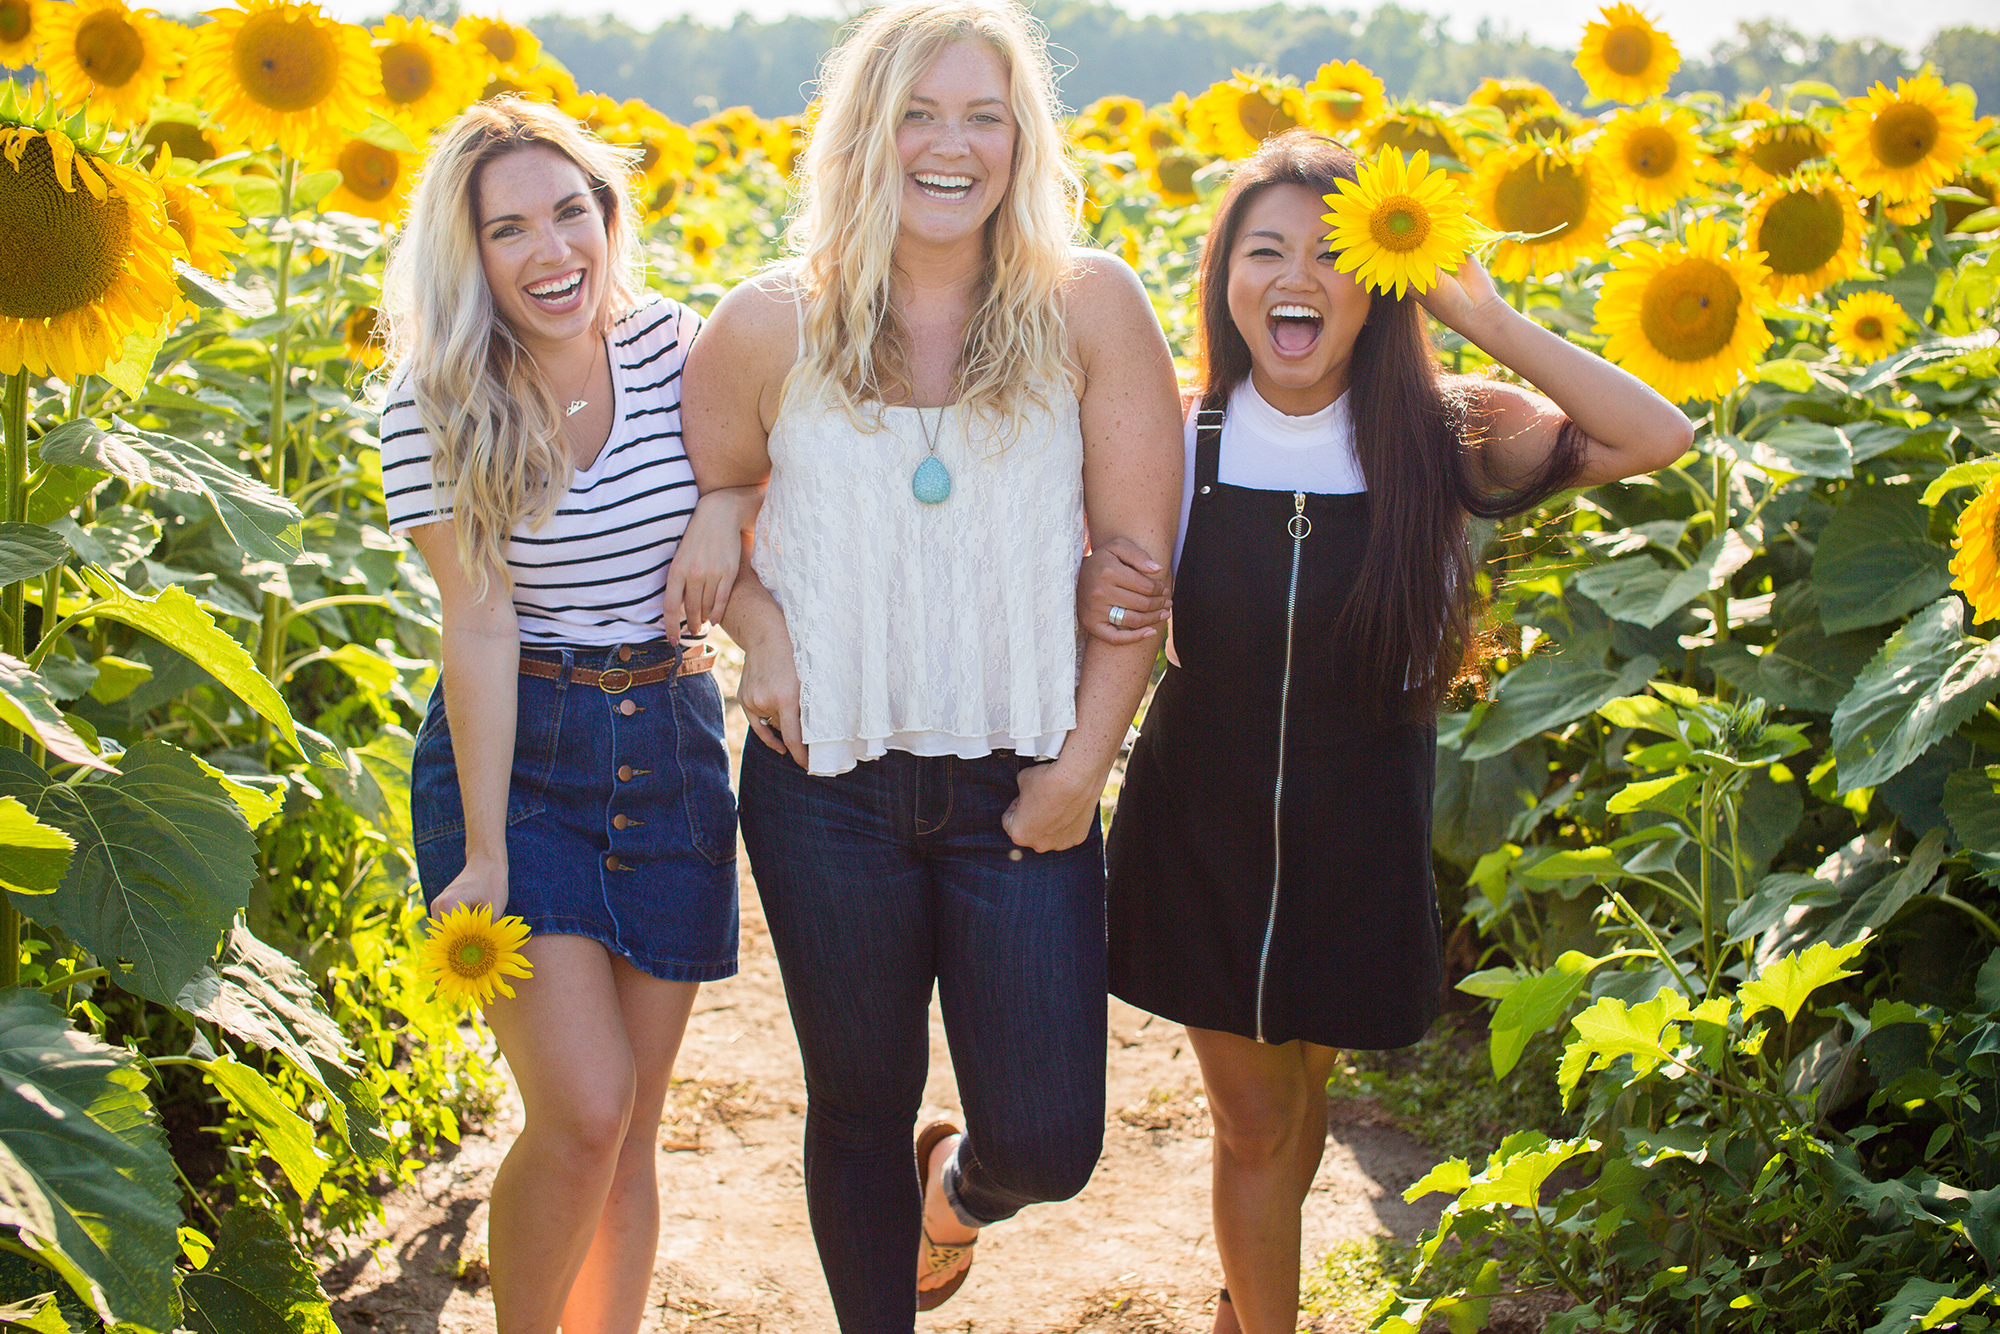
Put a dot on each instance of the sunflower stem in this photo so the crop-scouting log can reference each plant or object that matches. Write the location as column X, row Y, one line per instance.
column 274, row 466
column 14, row 495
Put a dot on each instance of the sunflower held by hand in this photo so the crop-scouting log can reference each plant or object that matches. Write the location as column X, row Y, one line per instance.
column 1398, row 225
column 469, row 957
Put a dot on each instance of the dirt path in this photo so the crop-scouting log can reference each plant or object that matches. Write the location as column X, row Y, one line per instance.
column 1133, row 1252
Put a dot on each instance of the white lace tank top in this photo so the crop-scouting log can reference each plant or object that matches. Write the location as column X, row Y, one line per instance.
column 945, row 629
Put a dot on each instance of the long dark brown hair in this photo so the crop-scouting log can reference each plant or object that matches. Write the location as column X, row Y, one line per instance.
column 1408, row 620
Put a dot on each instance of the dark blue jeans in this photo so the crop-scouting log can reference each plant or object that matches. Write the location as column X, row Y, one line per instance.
column 877, row 883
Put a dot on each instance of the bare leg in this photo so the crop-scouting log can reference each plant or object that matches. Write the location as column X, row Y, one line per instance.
column 1269, row 1107
column 609, row 1295
column 564, row 1038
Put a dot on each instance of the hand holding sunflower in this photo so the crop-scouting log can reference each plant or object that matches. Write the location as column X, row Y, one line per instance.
column 468, row 956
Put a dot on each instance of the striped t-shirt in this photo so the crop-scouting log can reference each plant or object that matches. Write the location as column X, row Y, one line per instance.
column 595, row 574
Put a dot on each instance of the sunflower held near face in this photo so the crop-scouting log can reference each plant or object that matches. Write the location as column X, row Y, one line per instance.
column 1550, row 194
column 1684, row 318
column 1809, row 227
column 1653, row 156
column 1399, row 224
column 281, row 72
column 468, row 956
column 1903, row 144
column 1623, row 57
column 1868, row 326
column 116, row 59
column 1975, row 570
column 89, row 257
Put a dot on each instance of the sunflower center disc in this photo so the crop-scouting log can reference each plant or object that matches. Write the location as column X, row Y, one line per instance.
column 1904, row 135
column 1409, row 139
column 283, row 65
column 500, row 42
column 367, row 170
column 15, row 19
column 1651, row 152
column 1540, row 127
column 1534, row 201
column 1802, row 231
column 1688, row 312
column 1781, row 153
column 1399, row 223
column 471, row 956
column 1176, row 172
column 406, row 73
column 108, row 48
column 64, row 249
column 1344, row 105
column 1260, row 117
column 187, row 141
column 1868, row 327
column 1628, row 50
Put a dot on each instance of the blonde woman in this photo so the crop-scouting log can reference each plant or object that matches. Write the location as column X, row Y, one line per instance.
column 571, row 766
column 949, row 402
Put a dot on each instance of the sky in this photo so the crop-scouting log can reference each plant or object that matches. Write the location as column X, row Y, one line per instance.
column 1696, row 25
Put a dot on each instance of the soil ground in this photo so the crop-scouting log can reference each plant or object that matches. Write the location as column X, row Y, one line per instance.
column 1134, row 1252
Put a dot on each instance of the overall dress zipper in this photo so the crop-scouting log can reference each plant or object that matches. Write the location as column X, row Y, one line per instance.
column 1299, row 526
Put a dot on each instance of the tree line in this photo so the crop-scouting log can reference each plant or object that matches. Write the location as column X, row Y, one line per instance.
column 688, row 68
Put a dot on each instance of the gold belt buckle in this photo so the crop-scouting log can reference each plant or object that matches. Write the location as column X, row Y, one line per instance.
column 624, row 676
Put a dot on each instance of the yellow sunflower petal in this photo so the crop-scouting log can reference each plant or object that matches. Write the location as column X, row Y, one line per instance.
column 1975, row 569
column 113, row 58
column 1868, row 326
column 1810, row 229
column 1623, row 57
column 280, row 72
column 1398, row 224
column 1653, row 156
column 1684, row 317
column 1904, row 143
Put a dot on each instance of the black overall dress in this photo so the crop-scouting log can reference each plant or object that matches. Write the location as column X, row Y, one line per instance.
column 1270, row 859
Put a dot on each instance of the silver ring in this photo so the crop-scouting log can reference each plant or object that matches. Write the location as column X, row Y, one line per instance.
column 771, row 723
column 1117, row 617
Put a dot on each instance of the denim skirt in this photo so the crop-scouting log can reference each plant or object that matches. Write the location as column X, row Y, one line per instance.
column 620, row 824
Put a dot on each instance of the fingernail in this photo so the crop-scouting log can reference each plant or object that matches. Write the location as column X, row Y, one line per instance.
column 1152, row 567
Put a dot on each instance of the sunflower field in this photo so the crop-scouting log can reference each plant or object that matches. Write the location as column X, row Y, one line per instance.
column 1720, row 817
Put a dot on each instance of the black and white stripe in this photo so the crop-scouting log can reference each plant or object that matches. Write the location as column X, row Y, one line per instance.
column 595, row 574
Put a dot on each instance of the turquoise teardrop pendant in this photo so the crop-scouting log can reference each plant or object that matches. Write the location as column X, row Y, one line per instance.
column 931, row 482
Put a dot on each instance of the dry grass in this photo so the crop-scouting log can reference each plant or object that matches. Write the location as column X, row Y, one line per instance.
column 697, row 1106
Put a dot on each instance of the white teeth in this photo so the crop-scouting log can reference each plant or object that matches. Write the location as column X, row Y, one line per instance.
column 1294, row 313
column 945, row 182
column 556, row 286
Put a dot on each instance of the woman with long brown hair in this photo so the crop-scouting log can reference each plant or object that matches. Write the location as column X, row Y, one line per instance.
column 1270, row 865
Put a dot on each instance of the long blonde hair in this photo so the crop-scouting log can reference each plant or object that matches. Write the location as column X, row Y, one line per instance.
column 850, row 204
column 495, row 426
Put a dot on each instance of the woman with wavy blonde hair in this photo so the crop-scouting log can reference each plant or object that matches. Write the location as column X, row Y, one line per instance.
column 571, row 766
column 948, row 402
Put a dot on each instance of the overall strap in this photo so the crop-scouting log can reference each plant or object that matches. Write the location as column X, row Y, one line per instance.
column 1207, row 444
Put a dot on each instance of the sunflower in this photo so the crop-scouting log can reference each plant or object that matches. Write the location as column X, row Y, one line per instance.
column 1909, row 213
column 1975, row 570
column 1809, row 227
column 1543, row 188
column 427, row 77
column 469, row 956
column 1398, row 225
column 1172, row 177
column 1233, row 117
column 20, row 31
column 1113, row 117
column 361, row 334
column 498, row 41
column 1902, row 144
column 784, row 139
column 1512, row 97
column 1158, row 133
column 1409, row 128
column 596, row 112
column 1777, row 148
column 1653, row 156
column 1869, row 326
column 89, row 256
column 1623, row 57
column 103, row 53
column 1956, row 211
column 1547, row 127
column 1684, row 318
column 280, row 72
column 699, row 241
column 666, row 150
column 543, row 83
column 1345, row 95
column 187, row 140
column 206, row 228
column 660, row 202
column 374, row 181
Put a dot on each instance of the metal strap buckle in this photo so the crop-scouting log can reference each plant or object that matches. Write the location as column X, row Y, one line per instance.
column 624, row 676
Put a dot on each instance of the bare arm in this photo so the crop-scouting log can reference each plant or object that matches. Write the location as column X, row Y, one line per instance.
column 1631, row 429
column 1131, row 490
column 709, row 556
column 482, row 674
column 732, row 385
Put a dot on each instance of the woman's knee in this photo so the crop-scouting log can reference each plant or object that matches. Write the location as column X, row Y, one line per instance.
column 1259, row 1124
column 590, row 1124
column 1046, row 1163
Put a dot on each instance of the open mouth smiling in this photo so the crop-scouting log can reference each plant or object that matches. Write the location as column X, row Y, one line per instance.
column 558, row 291
column 1294, row 328
column 940, row 186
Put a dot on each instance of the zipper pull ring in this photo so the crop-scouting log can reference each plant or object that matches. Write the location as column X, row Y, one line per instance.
column 1299, row 526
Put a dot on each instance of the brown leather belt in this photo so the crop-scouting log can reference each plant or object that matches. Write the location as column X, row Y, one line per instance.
column 696, row 658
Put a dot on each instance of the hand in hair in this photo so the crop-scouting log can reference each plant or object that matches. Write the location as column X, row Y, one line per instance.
column 1120, row 574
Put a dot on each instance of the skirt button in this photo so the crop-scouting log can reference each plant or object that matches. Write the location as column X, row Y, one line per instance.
column 613, row 864
column 624, row 773
column 627, row 707
column 624, row 653
column 620, row 821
